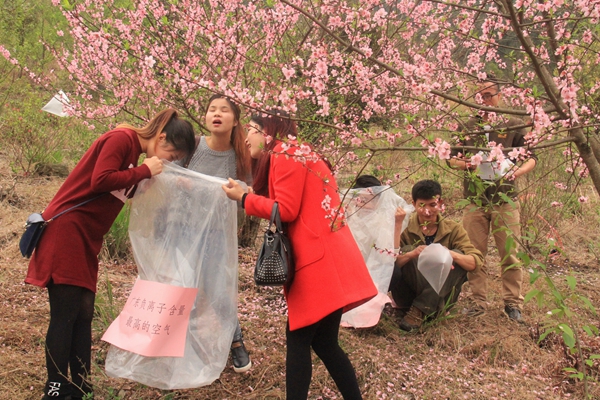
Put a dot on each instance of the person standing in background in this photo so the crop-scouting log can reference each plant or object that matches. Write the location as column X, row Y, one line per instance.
column 489, row 208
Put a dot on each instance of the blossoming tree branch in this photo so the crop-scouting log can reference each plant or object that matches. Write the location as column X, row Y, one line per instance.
column 362, row 77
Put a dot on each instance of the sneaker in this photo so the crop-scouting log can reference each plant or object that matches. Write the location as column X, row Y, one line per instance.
column 412, row 320
column 240, row 357
column 513, row 313
column 474, row 311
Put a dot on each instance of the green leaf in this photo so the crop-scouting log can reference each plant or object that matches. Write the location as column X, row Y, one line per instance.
column 510, row 244
column 546, row 333
column 588, row 304
column 557, row 311
column 568, row 312
column 533, row 276
column 524, row 257
column 568, row 336
column 462, row 203
column 504, row 197
column 540, row 299
column 557, row 295
column 578, row 375
column 572, row 282
column 532, row 293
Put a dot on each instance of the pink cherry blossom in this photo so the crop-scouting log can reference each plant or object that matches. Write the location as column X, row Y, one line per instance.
column 476, row 160
column 356, row 74
column 288, row 73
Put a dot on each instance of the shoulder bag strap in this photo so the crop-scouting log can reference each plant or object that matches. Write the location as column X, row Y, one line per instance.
column 276, row 218
column 75, row 206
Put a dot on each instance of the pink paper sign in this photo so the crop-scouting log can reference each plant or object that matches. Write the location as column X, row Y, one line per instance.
column 154, row 321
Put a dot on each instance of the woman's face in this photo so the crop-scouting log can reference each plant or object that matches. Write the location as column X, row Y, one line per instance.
column 220, row 118
column 256, row 140
column 164, row 150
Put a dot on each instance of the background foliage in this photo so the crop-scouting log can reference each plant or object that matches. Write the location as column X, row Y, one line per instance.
column 373, row 85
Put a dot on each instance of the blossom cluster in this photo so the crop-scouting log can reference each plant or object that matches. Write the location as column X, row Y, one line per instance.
column 342, row 67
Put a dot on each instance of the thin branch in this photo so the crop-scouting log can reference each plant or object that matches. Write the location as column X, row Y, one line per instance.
column 554, row 143
column 486, row 108
column 479, row 10
column 541, row 72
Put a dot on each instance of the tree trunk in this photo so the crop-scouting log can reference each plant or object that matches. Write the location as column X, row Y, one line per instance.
column 588, row 156
column 248, row 231
column 586, row 152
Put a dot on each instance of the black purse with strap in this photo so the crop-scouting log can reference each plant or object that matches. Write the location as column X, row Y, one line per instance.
column 35, row 225
column 275, row 262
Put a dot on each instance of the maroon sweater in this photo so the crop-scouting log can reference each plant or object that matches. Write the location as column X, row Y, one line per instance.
column 68, row 251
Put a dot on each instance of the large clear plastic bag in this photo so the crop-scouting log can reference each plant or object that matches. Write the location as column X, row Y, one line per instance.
column 370, row 214
column 183, row 231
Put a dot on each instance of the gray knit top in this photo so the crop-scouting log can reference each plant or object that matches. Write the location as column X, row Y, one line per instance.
column 214, row 163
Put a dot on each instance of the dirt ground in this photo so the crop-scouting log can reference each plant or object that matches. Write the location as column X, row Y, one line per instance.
column 457, row 357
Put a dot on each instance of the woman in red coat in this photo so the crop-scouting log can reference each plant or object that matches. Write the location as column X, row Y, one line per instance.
column 331, row 276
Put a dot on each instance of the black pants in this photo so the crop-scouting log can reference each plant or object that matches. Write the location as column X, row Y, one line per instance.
column 323, row 338
column 410, row 288
column 69, row 341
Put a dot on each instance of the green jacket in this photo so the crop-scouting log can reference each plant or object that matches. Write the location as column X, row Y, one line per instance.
column 450, row 234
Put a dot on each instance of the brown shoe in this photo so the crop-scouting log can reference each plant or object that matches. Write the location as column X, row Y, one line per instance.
column 412, row 320
column 474, row 311
column 394, row 313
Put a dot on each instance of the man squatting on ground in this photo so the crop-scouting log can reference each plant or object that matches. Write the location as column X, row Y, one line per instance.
column 410, row 290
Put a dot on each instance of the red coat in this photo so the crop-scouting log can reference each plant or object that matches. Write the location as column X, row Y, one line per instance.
column 330, row 270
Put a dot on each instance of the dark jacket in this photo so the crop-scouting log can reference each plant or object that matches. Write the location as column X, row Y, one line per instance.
column 501, row 134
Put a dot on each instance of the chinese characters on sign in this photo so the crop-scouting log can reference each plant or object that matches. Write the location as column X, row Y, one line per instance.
column 154, row 321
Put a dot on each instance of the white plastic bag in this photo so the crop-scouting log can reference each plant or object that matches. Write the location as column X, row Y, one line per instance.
column 183, row 231
column 371, row 219
column 57, row 104
column 493, row 170
column 435, row 263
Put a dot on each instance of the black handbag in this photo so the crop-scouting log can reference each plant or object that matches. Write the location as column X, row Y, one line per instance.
column 35, row 227
column 33, row 231
column 275, row 263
